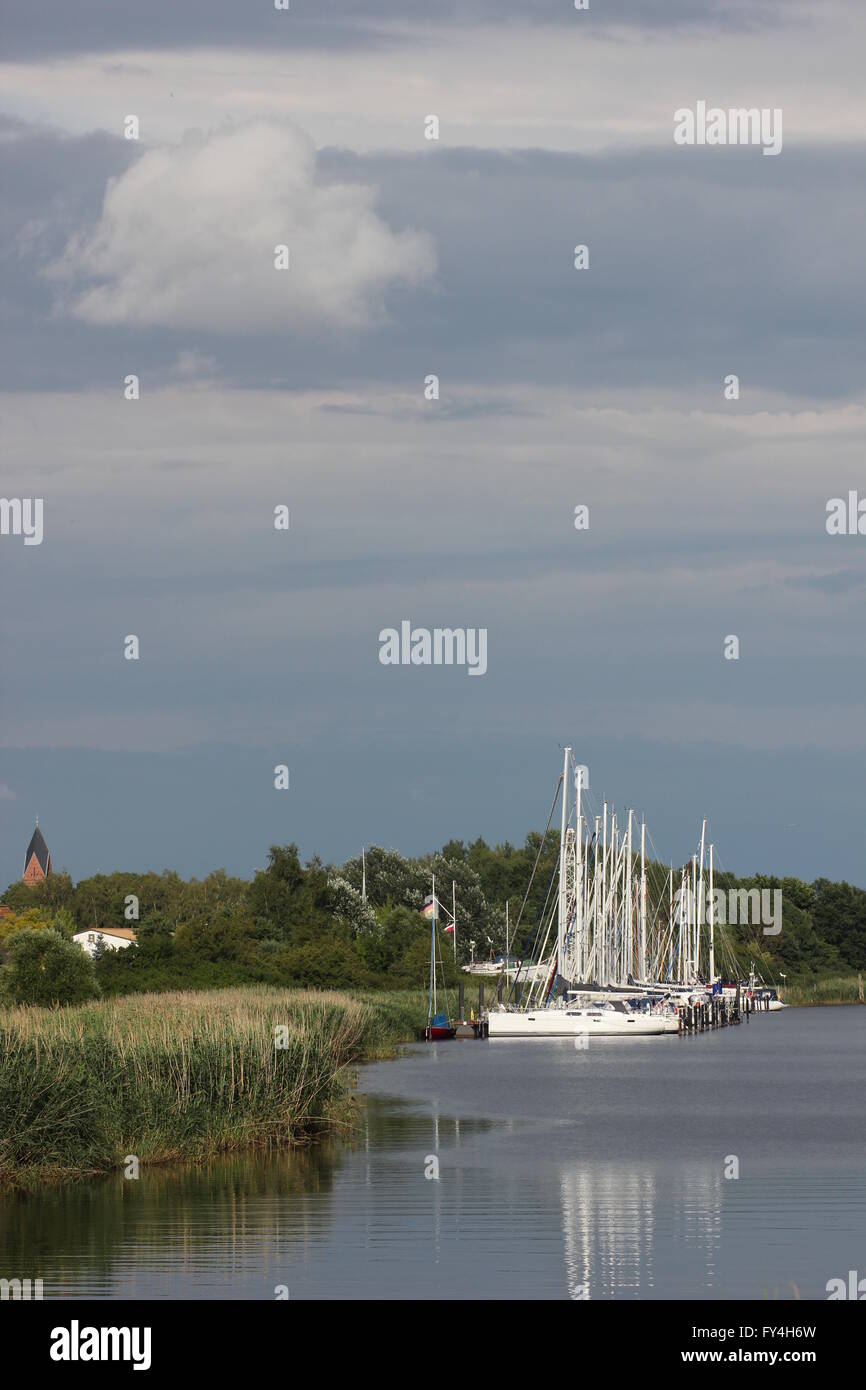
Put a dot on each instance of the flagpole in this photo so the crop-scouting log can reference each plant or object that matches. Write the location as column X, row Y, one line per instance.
column 433, row 944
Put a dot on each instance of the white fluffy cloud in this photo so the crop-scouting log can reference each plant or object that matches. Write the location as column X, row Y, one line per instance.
column 187, row 238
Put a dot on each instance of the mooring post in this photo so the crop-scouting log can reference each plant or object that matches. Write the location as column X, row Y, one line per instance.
column 460, row 990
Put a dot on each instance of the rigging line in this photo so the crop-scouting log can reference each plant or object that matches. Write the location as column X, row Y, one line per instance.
column 532, row 880
column 538, row 855
column 538, row 926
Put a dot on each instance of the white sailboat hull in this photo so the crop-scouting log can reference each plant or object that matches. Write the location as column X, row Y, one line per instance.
column 567, row 1023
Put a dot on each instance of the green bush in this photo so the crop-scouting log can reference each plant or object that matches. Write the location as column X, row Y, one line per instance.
column 44, row 968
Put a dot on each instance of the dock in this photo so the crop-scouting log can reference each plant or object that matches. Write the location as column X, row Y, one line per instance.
column 712, row 1012
column 475, row 1026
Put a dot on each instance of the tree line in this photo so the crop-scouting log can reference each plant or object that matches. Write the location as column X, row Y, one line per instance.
column 310, row 924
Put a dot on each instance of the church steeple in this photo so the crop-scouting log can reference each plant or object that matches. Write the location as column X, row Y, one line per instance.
column 37, row 859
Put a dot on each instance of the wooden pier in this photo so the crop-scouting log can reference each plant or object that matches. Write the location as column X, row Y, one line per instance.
column 712, row 1012
column 475, row 1026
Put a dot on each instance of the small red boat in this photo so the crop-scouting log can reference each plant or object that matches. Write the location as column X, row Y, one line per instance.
column 439, row 1028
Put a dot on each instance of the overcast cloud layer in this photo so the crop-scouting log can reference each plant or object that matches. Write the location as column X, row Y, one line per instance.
column 604, row 387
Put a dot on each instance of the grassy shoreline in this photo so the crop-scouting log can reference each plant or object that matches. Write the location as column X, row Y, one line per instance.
column 182, row 1075
column 832, row 989
column 185, row 1075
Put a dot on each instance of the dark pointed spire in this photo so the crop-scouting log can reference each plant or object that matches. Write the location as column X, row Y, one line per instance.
column 38, row 847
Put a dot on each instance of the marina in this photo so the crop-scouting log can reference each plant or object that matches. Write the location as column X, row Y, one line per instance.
column 607, row 956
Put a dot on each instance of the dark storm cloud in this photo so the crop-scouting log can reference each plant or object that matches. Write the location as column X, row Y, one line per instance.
column 58, row 27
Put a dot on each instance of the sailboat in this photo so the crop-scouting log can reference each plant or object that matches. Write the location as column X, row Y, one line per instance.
column 439, row 1025
column 615, row 1018
column 764, row 997
column 594, row 953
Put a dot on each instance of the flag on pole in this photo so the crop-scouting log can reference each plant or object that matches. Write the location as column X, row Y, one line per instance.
column 430, row 909
column 448, row 929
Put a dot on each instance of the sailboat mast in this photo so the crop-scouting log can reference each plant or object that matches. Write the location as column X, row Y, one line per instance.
column 694, row 936
column 613, row 973
column 563, row 905
column 712, row 942
column 641, row 962
column 433, row 946
column 671, row 918
column 578, row 883
column 700, row 909
column 596, row 948
column 602, row 974
column 430, row 1004
column 682, row 941
column 629, row 919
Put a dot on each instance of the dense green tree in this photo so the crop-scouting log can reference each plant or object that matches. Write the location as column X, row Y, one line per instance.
column 839, row 916
column 348, row 908
column 397, row 932
column 308, row 924
column 56, row 891
column 390, row 877
column 228, row 936
column 289, row 901
column 44, row 968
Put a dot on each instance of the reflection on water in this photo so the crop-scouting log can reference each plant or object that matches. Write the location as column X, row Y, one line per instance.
column 562, row 1174
column 609, row 1221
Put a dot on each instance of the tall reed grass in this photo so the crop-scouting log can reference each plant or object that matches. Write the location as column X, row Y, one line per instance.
column 831, row 989
column 181, row 1075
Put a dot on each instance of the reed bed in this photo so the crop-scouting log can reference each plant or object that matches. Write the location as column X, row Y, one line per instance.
column 832, row 989
column 181, row 1075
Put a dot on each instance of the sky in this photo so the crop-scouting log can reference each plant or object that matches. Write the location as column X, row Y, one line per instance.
column 410, row 257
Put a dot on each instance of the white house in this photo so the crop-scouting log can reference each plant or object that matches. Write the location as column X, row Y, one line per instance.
column 115, row 938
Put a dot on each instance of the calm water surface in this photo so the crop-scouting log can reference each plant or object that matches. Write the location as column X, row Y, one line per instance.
column 559, row 1170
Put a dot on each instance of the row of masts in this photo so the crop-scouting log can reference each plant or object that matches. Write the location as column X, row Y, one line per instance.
column 606, row 932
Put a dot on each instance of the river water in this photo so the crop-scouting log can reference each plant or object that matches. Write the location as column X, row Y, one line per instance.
column 605, row 1173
